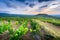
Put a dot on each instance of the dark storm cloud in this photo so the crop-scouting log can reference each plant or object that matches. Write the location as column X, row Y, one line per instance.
column 44, row 0
column 44, row 6
column 31, row 5
column 21, row 0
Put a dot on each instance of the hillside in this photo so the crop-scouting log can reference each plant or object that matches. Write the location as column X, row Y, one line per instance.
column 13, row 15
column 44, row 15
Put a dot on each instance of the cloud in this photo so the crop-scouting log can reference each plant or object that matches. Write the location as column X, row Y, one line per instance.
column 53, row 7
column 30, row 6
column 20, row 0
column 44, row 0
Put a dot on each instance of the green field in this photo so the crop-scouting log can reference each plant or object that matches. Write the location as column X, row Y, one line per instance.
column 19, row 28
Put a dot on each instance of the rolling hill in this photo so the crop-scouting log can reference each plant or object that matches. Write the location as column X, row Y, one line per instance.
column 19, row 15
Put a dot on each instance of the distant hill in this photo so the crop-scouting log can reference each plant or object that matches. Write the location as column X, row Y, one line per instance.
column 38, row 15
column 57, row 16
column 48, row 16
column 13, row 15
column 44, row 15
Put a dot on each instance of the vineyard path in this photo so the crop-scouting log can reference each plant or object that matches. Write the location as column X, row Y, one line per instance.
column 49, row 27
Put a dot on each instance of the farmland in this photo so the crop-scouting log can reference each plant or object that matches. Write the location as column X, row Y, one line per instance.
column 22, row 28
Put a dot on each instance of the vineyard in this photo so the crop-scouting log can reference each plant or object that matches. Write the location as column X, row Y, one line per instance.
column 16, row 28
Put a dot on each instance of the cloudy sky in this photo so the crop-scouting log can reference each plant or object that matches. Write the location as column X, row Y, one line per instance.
column 30, row 7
